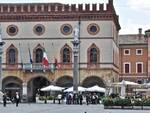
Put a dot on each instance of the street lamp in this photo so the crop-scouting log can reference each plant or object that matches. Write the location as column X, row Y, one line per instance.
column 76, row 43
column 1, row 51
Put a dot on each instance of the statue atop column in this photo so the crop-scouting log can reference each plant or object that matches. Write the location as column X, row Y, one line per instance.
column 76, row 33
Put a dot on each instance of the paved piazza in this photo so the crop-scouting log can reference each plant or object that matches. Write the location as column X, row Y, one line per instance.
column 62, row 108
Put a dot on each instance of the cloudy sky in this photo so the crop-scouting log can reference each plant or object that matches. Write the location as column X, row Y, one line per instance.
column 133, row 14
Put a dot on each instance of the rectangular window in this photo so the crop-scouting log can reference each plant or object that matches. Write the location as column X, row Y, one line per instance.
column 139, row 52
column 139, row 67
column 126, row 67
column 126, row 51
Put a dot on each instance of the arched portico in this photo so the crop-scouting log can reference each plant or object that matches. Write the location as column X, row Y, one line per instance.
column 34, row 85
column 65, row 81
column 93, row 80
column 11, row 85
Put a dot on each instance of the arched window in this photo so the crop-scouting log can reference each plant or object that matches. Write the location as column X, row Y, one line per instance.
column 11, row 56
column 38, row 55
column 66, row 55
column 93, row 55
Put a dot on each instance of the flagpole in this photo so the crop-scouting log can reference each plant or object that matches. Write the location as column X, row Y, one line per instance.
column 21, row 56
column 45, row 61
column 42, row 59
column 52, row 67
column 30, row 58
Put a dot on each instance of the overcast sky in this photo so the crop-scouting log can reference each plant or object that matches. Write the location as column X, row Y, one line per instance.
column 133, row 14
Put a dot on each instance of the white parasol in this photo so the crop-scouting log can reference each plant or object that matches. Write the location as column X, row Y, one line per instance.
column 80, row 89
column 52, row 88
column 96, row 88
column 125, row 83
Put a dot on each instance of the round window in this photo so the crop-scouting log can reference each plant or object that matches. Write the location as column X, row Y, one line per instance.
column 93, row 29
column 12, row 30
column 66, row 29
column 39, row 29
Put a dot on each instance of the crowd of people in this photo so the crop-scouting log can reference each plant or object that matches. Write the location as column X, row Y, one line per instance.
column 74, row 98
column 68, row 98
column 16, row 99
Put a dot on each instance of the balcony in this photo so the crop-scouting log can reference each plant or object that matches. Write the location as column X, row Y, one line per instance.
column 133, row 75
column 37, row 67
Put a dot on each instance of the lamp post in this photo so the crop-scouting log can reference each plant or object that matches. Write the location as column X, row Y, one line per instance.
column 1, row 51
column 76, row 43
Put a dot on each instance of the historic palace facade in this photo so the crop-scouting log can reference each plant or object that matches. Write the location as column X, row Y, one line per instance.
column 30, row 29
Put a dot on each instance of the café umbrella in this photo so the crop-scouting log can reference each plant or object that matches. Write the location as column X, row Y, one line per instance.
column 80, row 89
column 96, row 88
column 124, row 84
column 52, row 88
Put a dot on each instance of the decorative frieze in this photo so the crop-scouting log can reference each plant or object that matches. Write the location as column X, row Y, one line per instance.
column 57, row 12
column 52, row 7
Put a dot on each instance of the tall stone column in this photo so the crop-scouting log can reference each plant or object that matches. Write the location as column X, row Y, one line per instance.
column 76, row 43
column 1, row 51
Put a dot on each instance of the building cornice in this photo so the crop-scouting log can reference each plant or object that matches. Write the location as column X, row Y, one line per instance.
column 57, row 12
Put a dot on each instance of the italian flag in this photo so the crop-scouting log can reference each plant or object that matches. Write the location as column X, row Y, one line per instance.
column 57, row 65
column 45, row 59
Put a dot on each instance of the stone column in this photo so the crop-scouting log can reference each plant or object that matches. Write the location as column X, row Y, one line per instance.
column 24, row 92
column 76, row 43
column 1, row 51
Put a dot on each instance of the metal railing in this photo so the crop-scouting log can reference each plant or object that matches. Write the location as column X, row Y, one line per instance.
column 63, row 66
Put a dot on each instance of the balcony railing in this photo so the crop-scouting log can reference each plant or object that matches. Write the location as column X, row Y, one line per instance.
column 37, row 66
column 63, row 66
column 133, row 75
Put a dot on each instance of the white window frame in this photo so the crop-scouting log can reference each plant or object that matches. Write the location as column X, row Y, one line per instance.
column 125, row 50
column 138, row 53
column 137, row 66
column 124, row 67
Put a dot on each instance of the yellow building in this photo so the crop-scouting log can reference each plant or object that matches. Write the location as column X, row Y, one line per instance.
column 30, row 29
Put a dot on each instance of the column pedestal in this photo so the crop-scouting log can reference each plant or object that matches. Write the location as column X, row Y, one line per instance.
column 24, row 92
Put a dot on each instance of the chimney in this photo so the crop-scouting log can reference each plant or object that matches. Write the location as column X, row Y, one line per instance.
column 140, row 32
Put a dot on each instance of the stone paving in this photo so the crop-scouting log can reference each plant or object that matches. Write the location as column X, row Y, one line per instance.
column 62, row 108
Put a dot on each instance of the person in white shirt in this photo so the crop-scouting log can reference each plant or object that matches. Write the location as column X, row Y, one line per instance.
column 59, row 98
column 17, row 98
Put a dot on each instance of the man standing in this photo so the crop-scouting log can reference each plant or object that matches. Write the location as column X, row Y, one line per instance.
column 59, row 97
column 4, row 99
column 17, row 98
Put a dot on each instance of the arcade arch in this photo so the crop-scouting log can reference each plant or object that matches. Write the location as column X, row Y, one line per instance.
column 34, row 85
column 11, row 85
column 93, row 80
column 65, row 81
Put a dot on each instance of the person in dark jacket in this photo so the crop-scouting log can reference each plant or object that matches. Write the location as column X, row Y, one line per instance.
column 4, row 99
column 87, row 99
column 80, row 99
